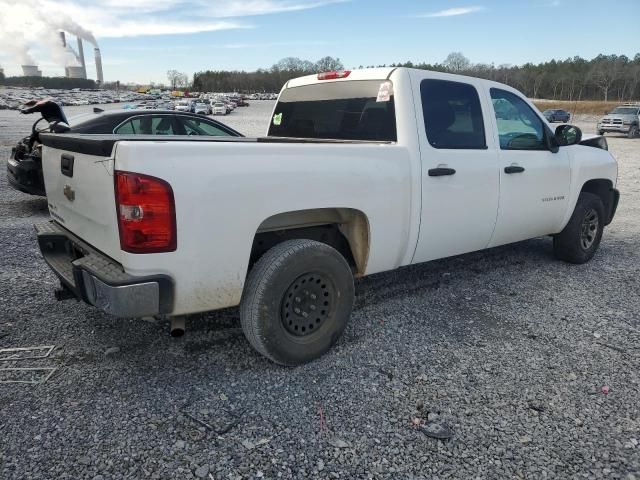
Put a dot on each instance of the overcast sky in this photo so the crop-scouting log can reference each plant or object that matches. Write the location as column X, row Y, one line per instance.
column 141, row 39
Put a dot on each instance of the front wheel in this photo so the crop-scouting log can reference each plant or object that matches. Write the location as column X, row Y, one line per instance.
column 633, row 131
column 297, row 301
column 580, row 239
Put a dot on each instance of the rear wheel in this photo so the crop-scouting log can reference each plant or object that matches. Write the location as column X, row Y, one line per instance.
column 580, row 239
column 297, row 301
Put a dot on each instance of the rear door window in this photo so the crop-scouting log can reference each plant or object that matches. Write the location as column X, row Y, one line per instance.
column 351, row 110
column 452, row 115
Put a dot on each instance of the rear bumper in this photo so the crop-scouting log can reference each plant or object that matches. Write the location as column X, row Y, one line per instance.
column 26, row 176
column 100, row 281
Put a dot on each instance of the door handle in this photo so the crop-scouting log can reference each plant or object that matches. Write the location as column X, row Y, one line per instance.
column 513, row 169
column 441, row 172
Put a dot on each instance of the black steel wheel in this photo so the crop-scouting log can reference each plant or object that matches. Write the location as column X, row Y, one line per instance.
column 297, row 301
column 308, row 303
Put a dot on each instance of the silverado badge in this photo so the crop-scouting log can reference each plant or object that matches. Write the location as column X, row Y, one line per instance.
column 69, row 193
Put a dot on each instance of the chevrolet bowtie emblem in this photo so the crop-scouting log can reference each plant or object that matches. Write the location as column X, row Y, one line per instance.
column 69, row 193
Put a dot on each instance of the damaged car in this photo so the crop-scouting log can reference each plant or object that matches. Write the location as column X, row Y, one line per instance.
column 24, row 167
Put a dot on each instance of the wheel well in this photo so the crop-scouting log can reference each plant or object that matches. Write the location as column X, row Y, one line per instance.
column 345, row 229
column 603, row 188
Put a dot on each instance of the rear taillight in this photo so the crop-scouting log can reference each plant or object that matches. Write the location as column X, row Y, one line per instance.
column 146, row 213
column 334, row 75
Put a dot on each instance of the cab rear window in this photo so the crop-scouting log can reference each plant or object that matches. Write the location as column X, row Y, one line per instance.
column 353, row 110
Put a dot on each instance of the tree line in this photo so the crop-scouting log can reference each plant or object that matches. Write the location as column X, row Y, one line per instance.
column 262, row 80
column 605, row 77
column 61, row 83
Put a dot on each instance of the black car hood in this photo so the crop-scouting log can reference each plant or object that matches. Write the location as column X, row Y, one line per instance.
column 50, row 110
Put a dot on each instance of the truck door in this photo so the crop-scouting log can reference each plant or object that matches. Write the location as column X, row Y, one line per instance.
column 534, row 181
column 460, row 186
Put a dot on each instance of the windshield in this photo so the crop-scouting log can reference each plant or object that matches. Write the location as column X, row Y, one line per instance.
column 352, row 110
column 625, row 111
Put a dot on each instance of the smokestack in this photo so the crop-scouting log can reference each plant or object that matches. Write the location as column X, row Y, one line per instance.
column 63, row 39
column 31, row 71
column 98, row 57
column 81, row 58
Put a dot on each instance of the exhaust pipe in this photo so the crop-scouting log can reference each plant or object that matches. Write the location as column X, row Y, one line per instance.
column 177, row 326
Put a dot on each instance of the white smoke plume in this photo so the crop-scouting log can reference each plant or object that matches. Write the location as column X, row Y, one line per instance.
column 65, row 23
column 15, row 45
column 56, row 20
column 31, row 25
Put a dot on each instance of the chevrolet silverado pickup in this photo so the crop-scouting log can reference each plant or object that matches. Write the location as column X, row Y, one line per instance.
column 360, row 172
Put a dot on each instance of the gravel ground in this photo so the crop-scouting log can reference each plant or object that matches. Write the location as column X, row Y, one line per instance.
column 508, row 348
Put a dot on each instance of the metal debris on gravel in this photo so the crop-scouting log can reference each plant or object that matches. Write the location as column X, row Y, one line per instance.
column 25, row 353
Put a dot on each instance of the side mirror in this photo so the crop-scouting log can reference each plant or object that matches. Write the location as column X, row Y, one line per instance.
column 568, row 135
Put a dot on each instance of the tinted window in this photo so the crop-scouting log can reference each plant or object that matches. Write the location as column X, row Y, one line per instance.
column 147, row 125
column 195, row 126
column 519, row 128
column 351, row 110
column 452, row 115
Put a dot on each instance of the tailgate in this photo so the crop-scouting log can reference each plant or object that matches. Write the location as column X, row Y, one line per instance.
column 78, row 177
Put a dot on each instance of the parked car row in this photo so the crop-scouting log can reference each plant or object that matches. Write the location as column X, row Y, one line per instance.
column 13, row 98
column 210, row 105
column 263, row 96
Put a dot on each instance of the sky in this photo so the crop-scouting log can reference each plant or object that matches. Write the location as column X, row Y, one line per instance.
column 141, row 39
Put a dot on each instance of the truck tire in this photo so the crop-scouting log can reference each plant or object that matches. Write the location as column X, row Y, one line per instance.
column 579, row 240
column 633, row 131
column 601, row 132
column 297, row 301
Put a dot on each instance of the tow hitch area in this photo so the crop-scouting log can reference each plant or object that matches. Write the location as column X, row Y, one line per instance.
column 64, row 293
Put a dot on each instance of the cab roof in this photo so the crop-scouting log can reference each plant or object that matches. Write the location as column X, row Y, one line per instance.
column 359, row 74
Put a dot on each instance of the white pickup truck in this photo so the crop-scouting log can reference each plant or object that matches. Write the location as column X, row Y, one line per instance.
column 360, row 172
